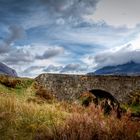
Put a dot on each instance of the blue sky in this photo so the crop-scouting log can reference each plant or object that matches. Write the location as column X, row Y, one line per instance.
column 68, row 36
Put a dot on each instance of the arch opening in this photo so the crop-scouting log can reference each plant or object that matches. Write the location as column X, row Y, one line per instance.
column 102, row 94
column 102, row 98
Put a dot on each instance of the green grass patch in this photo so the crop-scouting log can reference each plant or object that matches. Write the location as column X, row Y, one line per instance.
column 20, row 87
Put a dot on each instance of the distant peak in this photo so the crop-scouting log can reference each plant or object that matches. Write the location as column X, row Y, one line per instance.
column 129, row 68
column 4, row 69
column 131, row 62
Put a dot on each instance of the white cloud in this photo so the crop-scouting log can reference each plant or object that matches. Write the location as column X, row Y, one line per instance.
column 33, row 71
column 67, row 69
column 51, row 52
column 18, row 57
column 99, row 34
column 136, row 43
column 117, row 56
column 73, row 68
column 118, row 12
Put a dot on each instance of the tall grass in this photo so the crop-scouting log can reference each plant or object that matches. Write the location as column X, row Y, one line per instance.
column 21, row 120
column 93, row 125
column 30, row 112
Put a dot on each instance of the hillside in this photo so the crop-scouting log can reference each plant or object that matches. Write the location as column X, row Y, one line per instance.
column 130, row 68
column 19, row 87
column 7, row 70
column 29, row 112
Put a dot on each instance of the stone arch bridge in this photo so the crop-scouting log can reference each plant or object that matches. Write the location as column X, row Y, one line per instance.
column 70, row 87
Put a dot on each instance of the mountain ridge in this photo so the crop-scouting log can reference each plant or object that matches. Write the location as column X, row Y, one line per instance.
column 130, row 68
column 4, row 69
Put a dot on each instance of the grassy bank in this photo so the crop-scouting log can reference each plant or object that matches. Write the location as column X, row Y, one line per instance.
column 21, row 120
column 25, row 116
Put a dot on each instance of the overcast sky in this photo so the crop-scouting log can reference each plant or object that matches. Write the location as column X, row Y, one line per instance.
column 68, row 36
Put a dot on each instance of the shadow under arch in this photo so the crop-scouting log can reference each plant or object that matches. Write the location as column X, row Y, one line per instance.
column 102, row 94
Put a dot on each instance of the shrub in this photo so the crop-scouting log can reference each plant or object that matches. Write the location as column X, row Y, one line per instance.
column 9, row 81
column 134, row 98
column 43, row 93
column 86, row 98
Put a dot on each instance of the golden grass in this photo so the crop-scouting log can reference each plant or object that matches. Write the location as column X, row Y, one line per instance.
column 21, row 120
column 25, row 116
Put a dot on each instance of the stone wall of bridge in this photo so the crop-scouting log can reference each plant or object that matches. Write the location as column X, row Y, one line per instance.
column 70, row 87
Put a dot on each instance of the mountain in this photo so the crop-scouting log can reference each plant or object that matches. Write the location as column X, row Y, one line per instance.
column 6, row 70
column 130, row 68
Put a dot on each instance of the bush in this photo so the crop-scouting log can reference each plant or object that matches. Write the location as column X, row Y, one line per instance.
column 134, row 98
column 9, row 81
column 86, row 98
column 43, row 93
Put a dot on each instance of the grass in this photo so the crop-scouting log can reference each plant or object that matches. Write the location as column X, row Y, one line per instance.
column 59, row 121
column 25, row 114
column 22, row 120
column 20, row 87
column 135, row 108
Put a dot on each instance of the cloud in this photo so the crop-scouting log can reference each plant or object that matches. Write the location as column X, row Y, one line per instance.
column 32, row 68
column 15, row 11
column 118, row 12
column 69, row 10
column 114, row 57
column 15, row 33
column 90, row 36
column 69, row 68
column 52, row 68
column 73, row 68
column 51, row 52
column 18, row 57
column 48, row 11
column 60, row 33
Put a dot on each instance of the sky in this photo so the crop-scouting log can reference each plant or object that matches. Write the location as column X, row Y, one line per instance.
column 68, row 36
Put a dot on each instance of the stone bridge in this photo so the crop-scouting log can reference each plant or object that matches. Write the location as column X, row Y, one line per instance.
column 70, row 87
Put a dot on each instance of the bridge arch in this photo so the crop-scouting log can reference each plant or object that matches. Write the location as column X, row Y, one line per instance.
column 102, row 94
